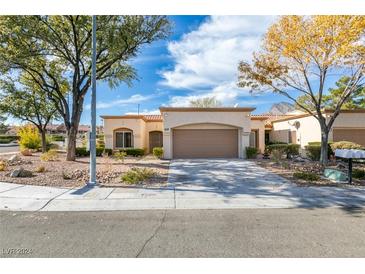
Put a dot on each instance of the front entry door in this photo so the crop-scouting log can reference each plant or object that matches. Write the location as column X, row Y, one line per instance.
column 155, row 139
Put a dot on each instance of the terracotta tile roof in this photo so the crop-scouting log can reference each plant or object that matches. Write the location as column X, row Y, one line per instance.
column 153, row 118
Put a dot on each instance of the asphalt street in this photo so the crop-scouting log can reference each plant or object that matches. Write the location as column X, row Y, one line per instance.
column 8, row 149
column 331, row 232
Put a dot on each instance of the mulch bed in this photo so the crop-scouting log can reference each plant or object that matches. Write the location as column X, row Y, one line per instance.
column 62, row 173
column 286, row 169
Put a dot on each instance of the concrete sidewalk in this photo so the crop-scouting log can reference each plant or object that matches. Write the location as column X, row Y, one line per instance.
column 16, row 197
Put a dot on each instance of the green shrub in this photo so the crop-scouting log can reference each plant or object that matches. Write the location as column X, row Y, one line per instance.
column 306, row 176
column 137, row 175
column 82, row 152
column 120, row 155
column 158, row 152
column 133, row 151
column 285, row 149
column 277, row 143
column 358, row 173
column 99, row 151
column 57, row 138
column 108, row 151
column 29, row 137
column 313, row 152
column 345, row 145
column 251, row 152
column 6, row 139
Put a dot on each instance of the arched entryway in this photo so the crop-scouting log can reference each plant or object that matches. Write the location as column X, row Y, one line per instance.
column 155, row 139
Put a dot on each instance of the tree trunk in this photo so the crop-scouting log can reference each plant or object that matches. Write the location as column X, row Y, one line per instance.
column 44, row 141
column 71, row 143
column 324, row 147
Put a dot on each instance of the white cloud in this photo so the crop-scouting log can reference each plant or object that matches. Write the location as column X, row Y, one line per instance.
column 134, row 99
column 207, row 58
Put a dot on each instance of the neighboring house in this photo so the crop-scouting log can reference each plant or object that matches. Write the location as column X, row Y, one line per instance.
column 186, row 132
column 61, row 129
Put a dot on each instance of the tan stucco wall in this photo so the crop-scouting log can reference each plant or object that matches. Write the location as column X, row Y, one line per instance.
column 208, row 119
column 137, row 125
column 348, row 120
column 260, row 125
column 309, row 131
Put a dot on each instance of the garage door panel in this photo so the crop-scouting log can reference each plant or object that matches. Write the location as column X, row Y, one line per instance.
column 205, row 143
column 351, row 135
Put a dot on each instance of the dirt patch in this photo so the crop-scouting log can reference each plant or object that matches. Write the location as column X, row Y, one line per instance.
column 287, row 168
column 62, row 173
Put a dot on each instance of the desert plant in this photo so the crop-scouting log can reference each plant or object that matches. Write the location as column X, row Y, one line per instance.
column 157, row 152
column 40, row 169
column 26, row 152
column 277, row 155
column 137, row 175
column 29, row 137
column 3, row 166
column 120, row 156
column 66, row 175
column 288, row 149
column 251, row 152
column 358, row 173
column 345, row 145
column 306, row 176
column 108, row 151
column 50, row 155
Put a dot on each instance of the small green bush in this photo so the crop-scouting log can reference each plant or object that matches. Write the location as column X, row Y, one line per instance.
column 158, row 152
column 288, row 149
column 29, row 137
column 313, row 152
column 251, row 152
column 57, row 138
column 108, row 151
column 306, row 176
column 99, row 151
column 120, row 155
column 6, row 139
column 134, row 151
column 137, row 175
column 82, row 152
column 358, row 173
column 345, row 145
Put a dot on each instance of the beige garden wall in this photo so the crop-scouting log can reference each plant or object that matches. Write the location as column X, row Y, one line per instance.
column 309, row 131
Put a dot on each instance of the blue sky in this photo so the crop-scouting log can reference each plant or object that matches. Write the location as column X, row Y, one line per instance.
column 199, row 59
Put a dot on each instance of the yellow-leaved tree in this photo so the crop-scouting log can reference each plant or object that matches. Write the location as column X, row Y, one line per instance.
column 301, row 55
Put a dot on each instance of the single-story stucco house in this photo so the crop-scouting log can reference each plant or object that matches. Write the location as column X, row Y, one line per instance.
column 224, row 132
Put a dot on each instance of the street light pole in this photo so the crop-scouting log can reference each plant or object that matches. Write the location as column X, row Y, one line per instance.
column 92, row 137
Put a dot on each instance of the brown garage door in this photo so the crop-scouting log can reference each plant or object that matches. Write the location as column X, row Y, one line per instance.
column 205, row 143
column 351, row 135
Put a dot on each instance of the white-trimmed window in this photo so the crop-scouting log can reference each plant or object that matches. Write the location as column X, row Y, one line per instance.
column 123, row 139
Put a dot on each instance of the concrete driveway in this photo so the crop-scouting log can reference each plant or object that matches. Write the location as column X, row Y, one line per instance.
column 236, row 183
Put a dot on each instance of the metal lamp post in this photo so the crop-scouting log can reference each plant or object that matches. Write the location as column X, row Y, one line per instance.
column 92, row 137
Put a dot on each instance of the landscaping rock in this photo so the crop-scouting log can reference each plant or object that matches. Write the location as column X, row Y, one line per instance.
column 21, row 172
column 14, row 158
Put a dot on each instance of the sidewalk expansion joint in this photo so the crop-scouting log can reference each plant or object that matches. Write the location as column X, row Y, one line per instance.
column 55, row 197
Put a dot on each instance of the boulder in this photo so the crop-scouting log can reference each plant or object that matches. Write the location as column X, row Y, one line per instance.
column 15, row 158
column 21, row 172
